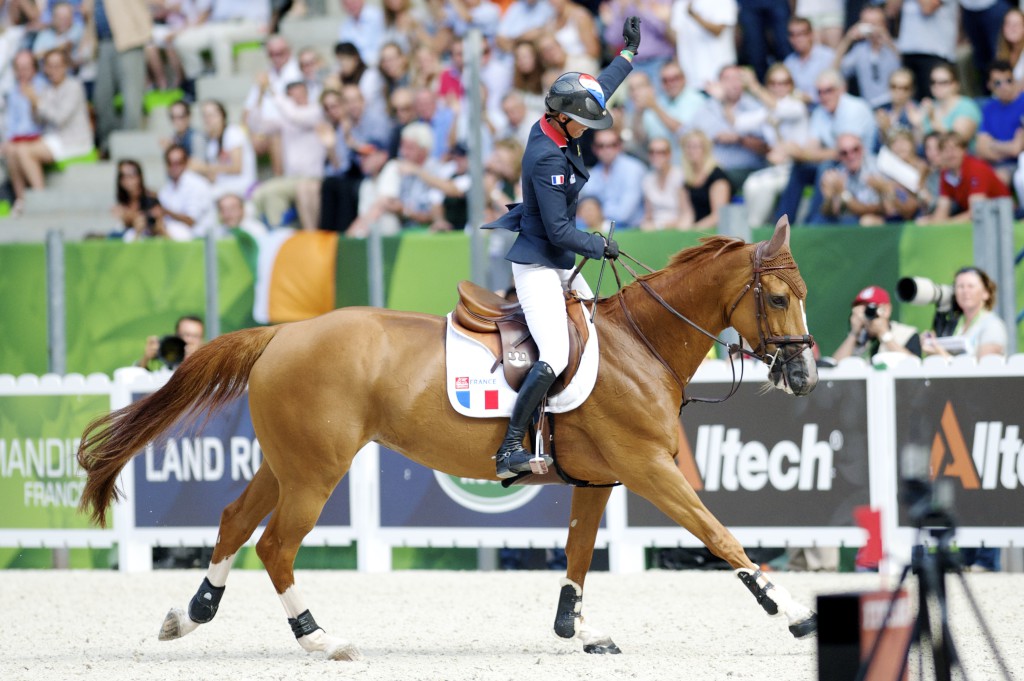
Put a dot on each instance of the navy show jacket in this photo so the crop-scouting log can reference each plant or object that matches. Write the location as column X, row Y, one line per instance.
column 553, row 175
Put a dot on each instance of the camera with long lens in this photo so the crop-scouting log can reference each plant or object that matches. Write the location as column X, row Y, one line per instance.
column 171, row 351
column 924, row 291
column 871, row 311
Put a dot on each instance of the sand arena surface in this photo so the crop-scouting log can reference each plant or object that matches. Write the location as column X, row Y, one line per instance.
column 455, row 626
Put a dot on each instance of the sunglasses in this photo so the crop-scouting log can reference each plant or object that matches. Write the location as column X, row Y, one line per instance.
column 606, row 145
column 826, row 90
column 899, row 86
column 941, row 81
column 849, row 151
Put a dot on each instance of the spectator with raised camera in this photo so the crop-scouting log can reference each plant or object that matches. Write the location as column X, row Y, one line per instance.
column 873, row 331
column 187, row 338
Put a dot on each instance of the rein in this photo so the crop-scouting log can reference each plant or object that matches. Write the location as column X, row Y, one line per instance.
column 735, row 349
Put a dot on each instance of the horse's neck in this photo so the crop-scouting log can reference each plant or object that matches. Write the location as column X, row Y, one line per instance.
column 700, row 294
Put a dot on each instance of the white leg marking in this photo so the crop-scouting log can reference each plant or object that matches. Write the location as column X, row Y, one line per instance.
column 318, row 641
column 293, row 603
column 217, row 573
column 794, row 611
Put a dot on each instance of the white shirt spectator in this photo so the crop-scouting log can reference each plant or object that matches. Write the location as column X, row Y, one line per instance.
column 245, row 10
column 191, row 195
column 279, row 80
column 304, row 153
column 234, row 138
column 387, row 184
column 934, row 33
column 366, row 32
column 702, row 54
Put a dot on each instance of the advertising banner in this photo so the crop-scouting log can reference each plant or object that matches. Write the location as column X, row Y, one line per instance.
column 186, row 478
column 40, row 480
column 967, row 431
column 773, row 460
column 412, row 495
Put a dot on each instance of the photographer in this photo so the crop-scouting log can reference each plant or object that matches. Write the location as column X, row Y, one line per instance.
column 978, row 331
column 163, row 352
column 872, row 330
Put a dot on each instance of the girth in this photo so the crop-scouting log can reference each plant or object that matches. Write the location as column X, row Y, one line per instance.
column 501, row 327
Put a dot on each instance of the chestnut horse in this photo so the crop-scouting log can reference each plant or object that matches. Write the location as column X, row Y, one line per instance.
column 320, row 389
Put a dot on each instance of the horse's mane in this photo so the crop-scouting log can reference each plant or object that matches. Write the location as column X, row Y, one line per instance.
column 710, row 247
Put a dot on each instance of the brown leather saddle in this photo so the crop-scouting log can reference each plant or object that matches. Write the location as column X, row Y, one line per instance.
column 501, row 326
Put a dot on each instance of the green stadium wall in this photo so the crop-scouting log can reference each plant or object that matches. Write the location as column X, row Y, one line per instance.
column 118, row 294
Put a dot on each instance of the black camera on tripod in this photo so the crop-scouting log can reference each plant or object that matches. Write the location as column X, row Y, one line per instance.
column 929, row 504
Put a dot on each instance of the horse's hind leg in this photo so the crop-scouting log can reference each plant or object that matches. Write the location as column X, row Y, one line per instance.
column 588, row 505
column 294, row 517
column 237, row 523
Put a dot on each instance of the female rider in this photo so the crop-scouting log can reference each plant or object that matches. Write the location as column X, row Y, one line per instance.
column 545, row 251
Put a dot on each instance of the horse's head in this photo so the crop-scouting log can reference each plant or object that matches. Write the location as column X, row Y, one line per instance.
column 770, row 315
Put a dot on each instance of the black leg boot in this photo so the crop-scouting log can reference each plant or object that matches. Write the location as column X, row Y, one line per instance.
column 512, row 458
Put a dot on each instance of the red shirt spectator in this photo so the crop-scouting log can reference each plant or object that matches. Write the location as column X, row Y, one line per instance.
column 974, row 177
column 964, row 179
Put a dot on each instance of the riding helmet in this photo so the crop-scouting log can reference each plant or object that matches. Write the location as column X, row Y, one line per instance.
column 580, row 97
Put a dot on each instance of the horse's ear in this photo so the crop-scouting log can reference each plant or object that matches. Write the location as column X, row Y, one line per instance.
column 780, row 239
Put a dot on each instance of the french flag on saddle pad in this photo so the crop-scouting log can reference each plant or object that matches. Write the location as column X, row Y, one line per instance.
column 557, row 179
column 463, row 393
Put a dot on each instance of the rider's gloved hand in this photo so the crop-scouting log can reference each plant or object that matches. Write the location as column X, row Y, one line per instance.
column 631, row 33
column 611, row 249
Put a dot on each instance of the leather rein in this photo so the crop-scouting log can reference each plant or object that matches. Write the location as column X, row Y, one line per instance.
column 765, row 337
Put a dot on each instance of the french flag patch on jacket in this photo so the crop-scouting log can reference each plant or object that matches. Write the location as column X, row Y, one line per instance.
column 557, row 179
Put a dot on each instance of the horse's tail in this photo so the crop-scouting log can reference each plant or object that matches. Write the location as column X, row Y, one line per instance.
column 215, row 374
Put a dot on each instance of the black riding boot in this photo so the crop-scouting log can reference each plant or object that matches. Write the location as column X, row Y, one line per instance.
column 512, row 458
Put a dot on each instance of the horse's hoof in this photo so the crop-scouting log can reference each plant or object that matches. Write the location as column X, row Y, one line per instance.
column 602, row 649
column 176, row 625
column 809, row 627
column 344, row 652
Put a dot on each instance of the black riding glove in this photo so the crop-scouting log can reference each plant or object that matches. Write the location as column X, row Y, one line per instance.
column 631, row 34
column 611, row 249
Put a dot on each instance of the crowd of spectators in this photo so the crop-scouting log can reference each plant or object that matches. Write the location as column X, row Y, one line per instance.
column 821, row 109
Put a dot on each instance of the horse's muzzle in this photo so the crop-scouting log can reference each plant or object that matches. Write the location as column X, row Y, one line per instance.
column 797, row 373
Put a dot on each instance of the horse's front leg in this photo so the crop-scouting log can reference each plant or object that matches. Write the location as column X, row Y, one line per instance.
column 664, row 485
column 587, row 508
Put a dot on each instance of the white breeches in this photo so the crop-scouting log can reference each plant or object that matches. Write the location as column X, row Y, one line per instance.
column 540, row 290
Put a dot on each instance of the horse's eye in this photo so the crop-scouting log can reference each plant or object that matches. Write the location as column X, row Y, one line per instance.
column 778, row 301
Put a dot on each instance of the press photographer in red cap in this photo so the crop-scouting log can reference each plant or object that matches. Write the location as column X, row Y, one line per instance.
column 872, row 330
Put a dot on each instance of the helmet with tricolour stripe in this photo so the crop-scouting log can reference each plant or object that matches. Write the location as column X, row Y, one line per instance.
column 580, row 97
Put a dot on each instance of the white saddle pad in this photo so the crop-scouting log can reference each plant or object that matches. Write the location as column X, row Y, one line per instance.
column 474, row 391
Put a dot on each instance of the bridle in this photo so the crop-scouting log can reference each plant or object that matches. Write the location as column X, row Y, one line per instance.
column 777, row 266
column 779, row 263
